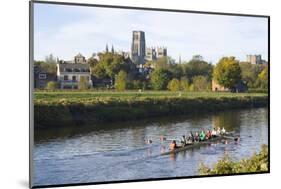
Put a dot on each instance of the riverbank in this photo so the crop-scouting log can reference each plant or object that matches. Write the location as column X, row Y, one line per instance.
column 58, row 109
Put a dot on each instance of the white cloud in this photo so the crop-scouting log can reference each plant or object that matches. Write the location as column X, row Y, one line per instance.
column 187, row 34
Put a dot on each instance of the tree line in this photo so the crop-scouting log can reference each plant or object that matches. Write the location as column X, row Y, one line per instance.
column 165, row 74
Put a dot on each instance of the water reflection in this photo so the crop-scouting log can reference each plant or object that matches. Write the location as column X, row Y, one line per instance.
column 93, row 153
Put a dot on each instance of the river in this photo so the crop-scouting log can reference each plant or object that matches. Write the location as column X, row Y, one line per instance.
column 117, row 151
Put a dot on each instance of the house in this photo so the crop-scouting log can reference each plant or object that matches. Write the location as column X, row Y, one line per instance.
column 41, row 77
column 240, row 87
column 70, row 74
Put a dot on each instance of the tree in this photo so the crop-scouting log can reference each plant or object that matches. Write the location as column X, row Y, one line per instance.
column 184, row 84
column 174, row 85
column 200, row 83
column 160, row 79
column 249, row 73
column 121, row 81
column 263, row 78
column 50, row 59
column 52, row 85
column 227, row 72
column 92, row 62
column 197, row 67
column 83, row 83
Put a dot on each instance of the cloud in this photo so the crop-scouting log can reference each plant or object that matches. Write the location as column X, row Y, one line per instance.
column 183, row 34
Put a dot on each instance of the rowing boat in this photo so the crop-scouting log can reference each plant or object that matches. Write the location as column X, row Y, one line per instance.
column 194, row 144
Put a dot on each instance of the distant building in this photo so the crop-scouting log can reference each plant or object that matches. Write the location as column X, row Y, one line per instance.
column 151, row 54
column 254, row 59
column 69, row 73
column 239, row 87
column 41, row 77
column 138, row 47
column 161, row 52
column 79, row 59
column 218, row 87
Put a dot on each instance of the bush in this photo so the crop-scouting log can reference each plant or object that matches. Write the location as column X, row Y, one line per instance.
column 160, row 79
column 83, row 83
column 200, row 83
column 52, row 85
column 174, row 85
column 121, row 81
column 184, row 85
column 256, row 163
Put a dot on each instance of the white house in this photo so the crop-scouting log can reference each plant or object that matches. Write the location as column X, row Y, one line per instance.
column 69, row 74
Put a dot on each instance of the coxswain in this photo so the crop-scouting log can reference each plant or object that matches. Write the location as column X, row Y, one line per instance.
column 173, row 145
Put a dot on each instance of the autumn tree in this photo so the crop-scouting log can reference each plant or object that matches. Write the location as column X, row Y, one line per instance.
column 227, row 72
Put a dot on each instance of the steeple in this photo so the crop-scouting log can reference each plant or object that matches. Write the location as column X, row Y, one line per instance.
column 106, row 48
column 180, row 59
column 112, row 49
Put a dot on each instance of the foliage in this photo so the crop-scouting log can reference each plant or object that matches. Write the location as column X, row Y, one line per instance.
column 174, row 85
column 227, row 72
column 256, row 163
column 160, row 79
column 107, row 106
column 110, row 65
column 263, row 78
column 121, row 81
column 52, row 85
column 50, row 59
column 184, row 84
column 200, row 83
column 50, row 68
column 83, row 83
column 197, row 67
column 249, row 73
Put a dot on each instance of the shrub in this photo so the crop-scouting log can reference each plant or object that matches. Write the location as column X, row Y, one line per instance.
column 121, row 81
column 174, row 85
column 256, row 163
column 52, row 85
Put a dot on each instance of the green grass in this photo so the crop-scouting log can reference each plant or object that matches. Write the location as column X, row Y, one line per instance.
column 79, row 96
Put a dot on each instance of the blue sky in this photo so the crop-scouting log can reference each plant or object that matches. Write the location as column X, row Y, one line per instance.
column 65, row 31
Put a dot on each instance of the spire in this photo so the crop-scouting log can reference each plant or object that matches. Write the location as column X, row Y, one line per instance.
column 112, row 49
column 106, row 48
column 180, row 59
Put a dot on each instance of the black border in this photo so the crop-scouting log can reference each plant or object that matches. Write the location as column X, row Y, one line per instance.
column 31, row 50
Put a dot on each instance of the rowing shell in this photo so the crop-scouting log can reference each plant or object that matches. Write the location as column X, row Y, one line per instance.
column 195, row 144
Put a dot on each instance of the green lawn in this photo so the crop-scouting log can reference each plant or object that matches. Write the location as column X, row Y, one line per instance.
column 81, row 96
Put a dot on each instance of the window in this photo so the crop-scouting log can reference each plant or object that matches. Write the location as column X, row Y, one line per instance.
column 65, row 78
column 74, row 78
column 42, row 76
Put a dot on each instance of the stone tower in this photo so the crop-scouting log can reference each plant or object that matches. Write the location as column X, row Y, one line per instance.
column 138, row 47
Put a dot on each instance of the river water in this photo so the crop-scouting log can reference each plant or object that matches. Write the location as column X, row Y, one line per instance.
column 117, row 151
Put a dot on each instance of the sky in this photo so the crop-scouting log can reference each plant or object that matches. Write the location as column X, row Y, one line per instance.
column 64, row 31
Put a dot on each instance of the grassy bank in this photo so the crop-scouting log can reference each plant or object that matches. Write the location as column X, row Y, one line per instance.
column 77, row 108
column 257, row 163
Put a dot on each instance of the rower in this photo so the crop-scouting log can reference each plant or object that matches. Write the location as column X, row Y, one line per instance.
column 223, row 131
column 183, row 140
column 208, row 135
column 214, row 133
column 218, row 131
column 148, row 141
column 196, row 137
column 173, row 145
column 202, row 136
